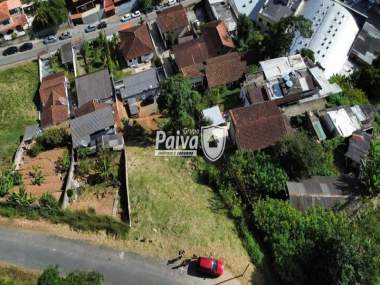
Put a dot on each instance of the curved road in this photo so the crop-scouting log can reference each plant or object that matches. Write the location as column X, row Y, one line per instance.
column 36, row 251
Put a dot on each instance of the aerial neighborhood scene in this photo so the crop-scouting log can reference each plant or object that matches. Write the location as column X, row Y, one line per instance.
column 189, row 142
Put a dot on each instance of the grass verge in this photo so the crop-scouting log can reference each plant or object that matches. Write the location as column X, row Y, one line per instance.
column 11, row 275
column 86, row 221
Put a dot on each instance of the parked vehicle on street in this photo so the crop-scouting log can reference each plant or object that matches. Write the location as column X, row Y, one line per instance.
column 102, row 25
column 126, row 17
column 90, row 28
column 50, row 40
column 65, row 36
column 136, row 14
column 172, row 2
column 210, row 266
column 10, row 50
column 25, row 47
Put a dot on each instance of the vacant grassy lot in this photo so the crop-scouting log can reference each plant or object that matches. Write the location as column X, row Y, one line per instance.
column 18, row 86
column 10, row 275
column 170, row 211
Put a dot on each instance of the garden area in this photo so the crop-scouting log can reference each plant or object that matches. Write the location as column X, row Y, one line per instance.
column 98, row 177
column 18, row 89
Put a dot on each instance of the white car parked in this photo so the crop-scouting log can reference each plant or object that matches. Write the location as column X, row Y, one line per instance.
column 172, row 2
column 126, row 18
column 136, row 14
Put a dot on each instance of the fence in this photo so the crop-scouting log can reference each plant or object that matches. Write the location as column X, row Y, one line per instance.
column 124, row 189
column 69, row 182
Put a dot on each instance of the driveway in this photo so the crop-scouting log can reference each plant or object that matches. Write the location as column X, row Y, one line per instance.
column 36, row 251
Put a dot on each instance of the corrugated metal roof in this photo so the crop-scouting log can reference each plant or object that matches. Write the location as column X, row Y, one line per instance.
column 86, row 125
column 67, row 53
column 94, row 86
column 321, row 191
column 142, row 82
column 31, row 132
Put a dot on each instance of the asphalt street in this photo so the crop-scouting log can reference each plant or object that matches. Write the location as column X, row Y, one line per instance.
column 37, row 250
column 78, row 33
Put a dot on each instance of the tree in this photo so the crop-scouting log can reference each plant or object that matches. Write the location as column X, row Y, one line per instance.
column 301, row 156
column 367, row 78
column 371, row 172
column 281, row 34
column 349, row 95
column 49, row 14
column 51, row 276
column 249, row 37
column 179, row 103
column 315, row 247
column 305, row 52
column 256, row 175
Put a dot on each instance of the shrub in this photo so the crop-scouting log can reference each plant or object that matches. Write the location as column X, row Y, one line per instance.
column 63, row 163
column 83, row 168
column 51, row 138
column 301, row 156
column 21, row 198
column 83, row 152
column 256, row 175
column 36, row 175
column 8, row 179
column 51, row 276
column 48, row 203
column 35, row 150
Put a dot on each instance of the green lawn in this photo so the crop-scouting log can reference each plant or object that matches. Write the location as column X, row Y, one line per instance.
column 171, row 211
column 18, row 86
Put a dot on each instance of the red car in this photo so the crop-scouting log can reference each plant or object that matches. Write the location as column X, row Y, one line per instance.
column 211, row 266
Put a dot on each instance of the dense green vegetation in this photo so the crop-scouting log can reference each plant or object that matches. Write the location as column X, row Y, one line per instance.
column 20, row 204
column 367, row 78
column 18, row 87
column 276, row 41
column 8, row 179
column 101, row 53
column 49, row 14
column 179, row 103
column 256, row 175
column 51, row 276
column 316, row 247
column 349, row 95
column 49, row 139
column 301, row 156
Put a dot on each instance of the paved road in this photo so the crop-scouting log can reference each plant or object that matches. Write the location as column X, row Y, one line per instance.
column 36, row 251
column 78, row 33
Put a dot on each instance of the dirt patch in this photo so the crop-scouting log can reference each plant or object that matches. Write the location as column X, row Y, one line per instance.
column 150, row 123
column 46, row 161
column 99, row 198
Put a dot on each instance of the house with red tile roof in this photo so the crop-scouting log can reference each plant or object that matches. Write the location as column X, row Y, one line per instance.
column 12, row 17
column 54, row 100
column 217, row 37
column 172, row 23
column 214, row 41
column 258, row 126
column 136, row 45
column 227, row 69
